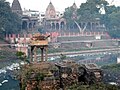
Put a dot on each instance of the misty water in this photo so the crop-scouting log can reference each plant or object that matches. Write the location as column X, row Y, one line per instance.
column 7, row 79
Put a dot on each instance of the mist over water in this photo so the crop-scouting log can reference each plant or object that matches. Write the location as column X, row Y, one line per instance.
column 7, row 80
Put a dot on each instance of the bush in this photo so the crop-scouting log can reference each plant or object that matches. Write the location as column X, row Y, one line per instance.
column 20, row 55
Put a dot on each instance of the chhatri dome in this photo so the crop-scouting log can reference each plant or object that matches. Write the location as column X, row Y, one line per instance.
column 50, row 11
column 16, row 7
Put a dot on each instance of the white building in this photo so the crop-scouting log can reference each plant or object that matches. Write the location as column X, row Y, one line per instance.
column 31, row 13
column 41, row 17
column 118, row 59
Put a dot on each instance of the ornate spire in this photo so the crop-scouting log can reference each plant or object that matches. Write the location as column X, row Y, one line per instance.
column 74, row 5
column 50, row 11
column 16, row 7
column 74, row 1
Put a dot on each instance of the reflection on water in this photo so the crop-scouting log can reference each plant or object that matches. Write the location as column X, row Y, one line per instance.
column 7, row 81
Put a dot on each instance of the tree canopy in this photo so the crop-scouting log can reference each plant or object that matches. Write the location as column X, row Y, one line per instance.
column 68, row 15
column 9, row 21
column 91, row 9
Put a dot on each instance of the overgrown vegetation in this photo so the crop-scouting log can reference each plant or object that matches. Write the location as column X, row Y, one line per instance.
column 92, row 10
column 113, row 67
column 20, row 55
column 9, row 21
column 112, row 73
column 99, row 86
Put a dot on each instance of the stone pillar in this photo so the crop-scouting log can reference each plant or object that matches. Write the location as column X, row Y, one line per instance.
column 6, row 37
column 46, row 56
column 59, row 27
column 42, row 55
column 91, row 26
column 50, row 26
column 31, row 53
column 27, row 25
column 55, row 25
column 35, row 54
column 32, row 25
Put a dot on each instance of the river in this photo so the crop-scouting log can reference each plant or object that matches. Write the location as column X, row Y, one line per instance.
column 7, row 80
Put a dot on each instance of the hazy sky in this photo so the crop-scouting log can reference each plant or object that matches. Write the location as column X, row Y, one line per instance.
column 59, row 5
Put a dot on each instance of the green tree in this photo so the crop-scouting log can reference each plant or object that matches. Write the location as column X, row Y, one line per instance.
column 62, row 57
column 90, row 10
column 111, row 20
column 9, row 21
column 68, row 15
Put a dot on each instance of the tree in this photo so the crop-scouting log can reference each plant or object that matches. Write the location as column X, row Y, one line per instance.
column 111, row 20
column 62, row 57
column 90, row 10
column 114, row 27
column 9, row 21
column 68, row 14
column 87, row 12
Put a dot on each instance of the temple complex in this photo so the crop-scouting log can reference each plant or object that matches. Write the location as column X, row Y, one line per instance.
column 29, row 22
column 16, row 7
column 53, row 22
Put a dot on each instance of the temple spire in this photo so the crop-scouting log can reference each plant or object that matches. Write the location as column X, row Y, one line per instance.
column 50, row 1
column 16, row 7
column 50, row 11
column 74, row 1
column 74, row 5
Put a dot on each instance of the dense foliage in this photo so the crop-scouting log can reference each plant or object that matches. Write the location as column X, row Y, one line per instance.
column 92, row 9
column 112, row 73
column 99, row 86
column 68, row 15
column 9, row 21
column 114, row 67
column 21, row 55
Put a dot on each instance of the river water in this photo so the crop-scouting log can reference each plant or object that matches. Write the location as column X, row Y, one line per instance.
column 7, row 80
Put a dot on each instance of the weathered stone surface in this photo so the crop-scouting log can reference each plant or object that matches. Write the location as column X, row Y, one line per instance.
column 16, row 7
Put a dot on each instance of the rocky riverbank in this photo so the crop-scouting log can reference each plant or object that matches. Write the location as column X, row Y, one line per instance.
column 7, row 55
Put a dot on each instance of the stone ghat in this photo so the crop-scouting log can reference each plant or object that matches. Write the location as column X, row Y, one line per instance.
column 56, row 34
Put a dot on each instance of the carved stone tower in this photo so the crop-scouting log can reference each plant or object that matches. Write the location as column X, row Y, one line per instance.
column 74, row 6
column 16, row 7
column 50, row 11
